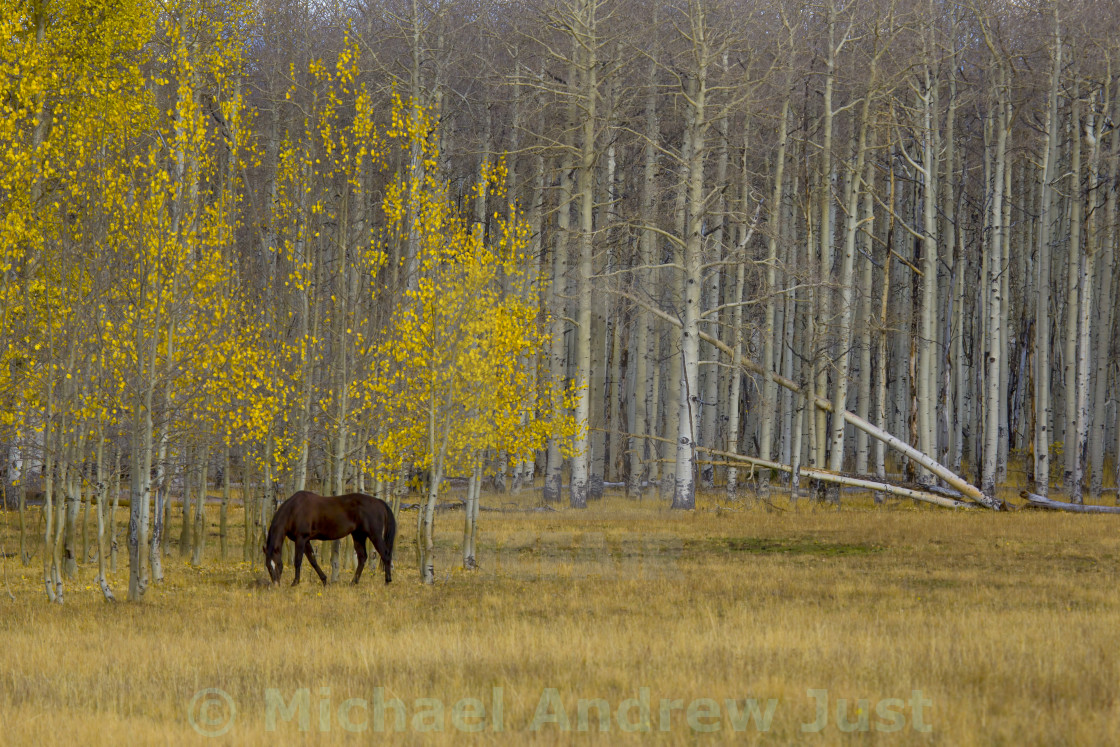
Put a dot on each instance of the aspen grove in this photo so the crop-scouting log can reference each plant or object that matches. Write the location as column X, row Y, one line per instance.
column 552, row 246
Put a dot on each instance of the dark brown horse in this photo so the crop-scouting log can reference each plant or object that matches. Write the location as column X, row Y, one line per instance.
column 307, row 516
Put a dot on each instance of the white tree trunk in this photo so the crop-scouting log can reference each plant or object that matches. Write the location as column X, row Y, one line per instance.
column 1048, row 226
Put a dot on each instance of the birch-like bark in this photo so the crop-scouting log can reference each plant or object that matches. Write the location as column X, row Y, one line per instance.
column 1005, row 326
column 86, row 490
column 689, row 381
column 115, row 490
column 102, row 490
column 198, row 544
column 769, row 388
column 425, row 543
column 746, row 231
column 684, row 493
column 927, row 360
column 672, row 347
column 711, row 290
column 737, row 379
column 964, row 401
column 525, row 470
column 993, row 399
column 584, row 50
column 1104, row 312
column 470, row 515
column 189, row 474
column 640, row 421
column 72, row 490
column 553, row 481
column 141, row 482
column 881, row 352
column 24, row 555
column 822, row 306
column 341, row 375
column 1072, row 306
column 847, row 268
column 866, row 282
column 1082, row 271
column 56, row 542
column 161, row 516
column 951, row 409
column 1048, row 226
column 49, row 569
column 614, row 387
column 791, row 360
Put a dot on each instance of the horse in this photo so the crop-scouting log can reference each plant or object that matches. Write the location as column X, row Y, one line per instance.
column 307, row 516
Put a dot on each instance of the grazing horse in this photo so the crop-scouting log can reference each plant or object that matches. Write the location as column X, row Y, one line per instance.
column 307, row 516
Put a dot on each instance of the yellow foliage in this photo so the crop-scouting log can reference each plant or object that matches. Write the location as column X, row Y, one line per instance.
column 454, row 377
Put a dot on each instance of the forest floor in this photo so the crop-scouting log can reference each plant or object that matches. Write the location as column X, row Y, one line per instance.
column 732, row 622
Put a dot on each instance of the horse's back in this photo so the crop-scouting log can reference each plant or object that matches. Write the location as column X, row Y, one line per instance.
column 366, row 505
column 333, row 516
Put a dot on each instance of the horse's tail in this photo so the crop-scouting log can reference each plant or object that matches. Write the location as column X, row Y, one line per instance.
column 390, row 531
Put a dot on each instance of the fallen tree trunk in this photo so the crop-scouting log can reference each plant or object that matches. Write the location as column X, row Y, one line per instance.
column 460, row 505
column 935, row 495
column 1037, row 501
column 967, row 489
column 855, row 482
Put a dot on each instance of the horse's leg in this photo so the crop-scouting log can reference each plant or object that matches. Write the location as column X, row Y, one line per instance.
column 315, row 564
column 360, row 549
column 383, row 551
column 297, row 560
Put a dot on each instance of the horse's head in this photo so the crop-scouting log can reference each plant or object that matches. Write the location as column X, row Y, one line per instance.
column 273, row 561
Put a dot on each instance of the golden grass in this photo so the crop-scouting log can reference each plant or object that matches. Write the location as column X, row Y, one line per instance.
column 1008, row 625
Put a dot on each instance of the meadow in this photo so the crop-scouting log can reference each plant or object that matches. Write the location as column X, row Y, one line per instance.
column 624, row 622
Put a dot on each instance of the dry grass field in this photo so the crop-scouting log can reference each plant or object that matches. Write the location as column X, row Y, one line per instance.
column 912, row 625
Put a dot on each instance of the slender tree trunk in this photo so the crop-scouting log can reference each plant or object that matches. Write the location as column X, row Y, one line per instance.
column 24, row 555
column 584, row 198
column 72, row 487
column 553, row 481
column 847, row 268
column 48, row 502
column 1046, row 236
column 223, row 515
column 746, row 231
column 198, row 545
column 116, row 491
column 141, row 486
column 185, row 529
column 927, row 338
column 470, row 515
column 1005, row 328
column 1071, row 478
column 713, row 373
column 1081, row 273
column 769, row 388
column 425, row 541
column 993, row 399
column 640, row 422
column 1104, row 312
column 866, row 283
column 102, row 495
